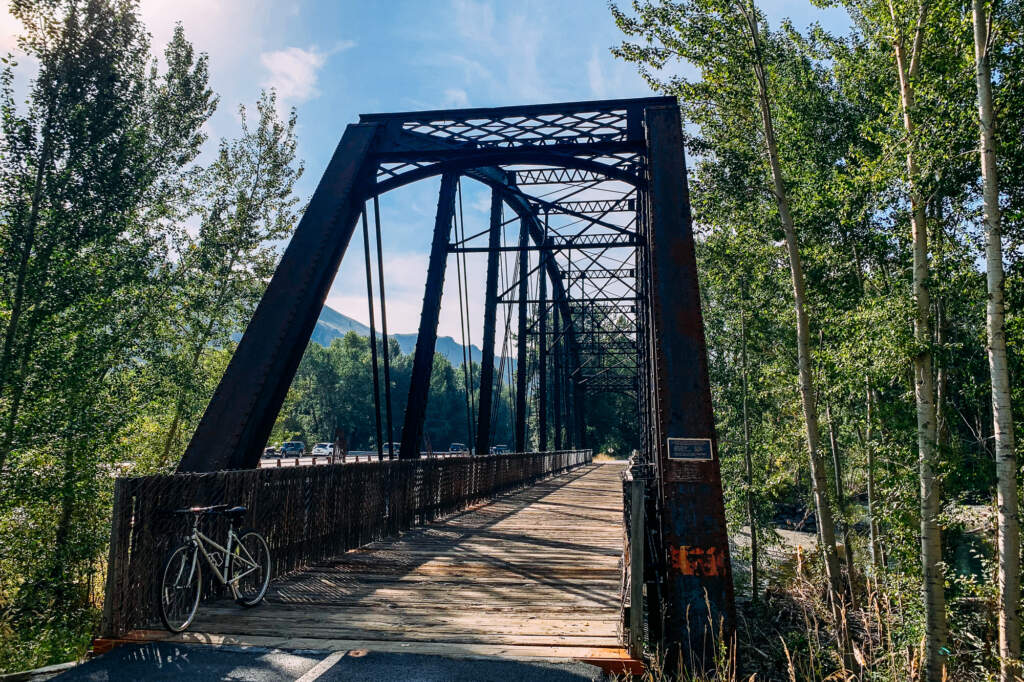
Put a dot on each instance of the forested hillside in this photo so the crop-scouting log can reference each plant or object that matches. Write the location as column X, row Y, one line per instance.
column 333, row 325
column 333, row 389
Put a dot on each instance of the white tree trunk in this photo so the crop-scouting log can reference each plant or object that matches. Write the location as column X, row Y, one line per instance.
column 1008, row 541
column 819, row 484
column 869, row 449
column 748, row 462
column 934, row 597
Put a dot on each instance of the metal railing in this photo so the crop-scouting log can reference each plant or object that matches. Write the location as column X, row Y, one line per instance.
column 635, row 480
column 307, row 514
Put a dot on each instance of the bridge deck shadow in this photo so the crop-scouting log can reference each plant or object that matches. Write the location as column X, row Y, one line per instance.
column 532, row 574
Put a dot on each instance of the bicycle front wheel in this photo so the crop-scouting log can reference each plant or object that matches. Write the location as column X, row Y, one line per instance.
column 250, row 566
column 181, row 588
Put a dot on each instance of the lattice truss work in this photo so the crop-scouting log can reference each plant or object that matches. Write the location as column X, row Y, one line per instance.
column 588, row 216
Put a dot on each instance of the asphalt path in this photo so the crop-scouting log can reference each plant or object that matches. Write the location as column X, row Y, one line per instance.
column 167, row 661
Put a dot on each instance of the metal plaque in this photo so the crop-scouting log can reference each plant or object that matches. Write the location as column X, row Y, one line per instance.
column 693, row 449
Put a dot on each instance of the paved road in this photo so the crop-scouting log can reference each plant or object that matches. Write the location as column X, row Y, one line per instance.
column 169, row 661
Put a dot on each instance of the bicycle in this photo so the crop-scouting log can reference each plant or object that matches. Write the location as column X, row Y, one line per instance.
column 245, row 560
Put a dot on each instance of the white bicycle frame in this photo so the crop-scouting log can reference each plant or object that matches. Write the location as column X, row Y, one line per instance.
column 200, row 540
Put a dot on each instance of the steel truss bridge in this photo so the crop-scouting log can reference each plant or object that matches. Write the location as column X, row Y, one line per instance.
column 590, row 260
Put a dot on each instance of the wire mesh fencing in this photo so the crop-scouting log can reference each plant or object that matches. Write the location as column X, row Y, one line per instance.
column 306, row 514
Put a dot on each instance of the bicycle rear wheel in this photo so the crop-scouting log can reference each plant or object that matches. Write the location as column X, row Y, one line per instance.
column 180, row 588
column 251, row 563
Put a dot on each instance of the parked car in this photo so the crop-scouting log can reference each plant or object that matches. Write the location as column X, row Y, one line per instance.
column 322, row 449
column 271, row 452
column 392, row 448
column 293, row 448
column 499, row 449
column 457, row 447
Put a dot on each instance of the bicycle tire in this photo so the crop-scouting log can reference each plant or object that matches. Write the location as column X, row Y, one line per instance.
column 177, row 606
column 251, row 590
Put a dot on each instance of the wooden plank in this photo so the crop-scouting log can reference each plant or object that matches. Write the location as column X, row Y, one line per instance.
column 535, row 574
column 452, row 620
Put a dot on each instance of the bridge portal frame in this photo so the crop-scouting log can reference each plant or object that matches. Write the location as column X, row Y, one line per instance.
column 637, row 142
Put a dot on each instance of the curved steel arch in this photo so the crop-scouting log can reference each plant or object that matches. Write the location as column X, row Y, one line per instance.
column 474, row 160
column 638, row 142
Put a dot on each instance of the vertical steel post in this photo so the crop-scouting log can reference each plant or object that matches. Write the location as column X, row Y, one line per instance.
column 696, row 549
column 426, row 339
column 384, row 330
column 556, row 383
column 373, row 337
column 542, row 352
column 524, row 267
column 636, row 566
column 483, row 429
column 579, row 409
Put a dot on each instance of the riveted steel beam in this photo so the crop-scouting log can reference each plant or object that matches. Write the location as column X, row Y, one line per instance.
column 426, row 339
column 699, row 605
column 237, row 423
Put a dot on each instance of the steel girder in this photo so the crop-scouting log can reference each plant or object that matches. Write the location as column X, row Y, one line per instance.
column 614, row 160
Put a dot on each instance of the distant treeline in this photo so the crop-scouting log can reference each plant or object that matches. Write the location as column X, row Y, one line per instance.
column 333, row 389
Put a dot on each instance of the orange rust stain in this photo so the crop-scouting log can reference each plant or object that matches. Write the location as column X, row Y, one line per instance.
column 698, row 561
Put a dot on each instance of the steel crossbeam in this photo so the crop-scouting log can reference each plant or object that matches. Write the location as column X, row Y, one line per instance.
column 602, row 215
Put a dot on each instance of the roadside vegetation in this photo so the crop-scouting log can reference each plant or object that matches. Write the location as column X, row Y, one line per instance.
column 125, row 266
column 858, row 204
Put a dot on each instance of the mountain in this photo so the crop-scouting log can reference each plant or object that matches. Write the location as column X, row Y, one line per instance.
column 333, row 325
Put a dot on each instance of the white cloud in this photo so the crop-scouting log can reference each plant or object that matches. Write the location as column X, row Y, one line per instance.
column 472, row 70
column 474, row 20
column 595, row 76
column 456, row 97
column 9, row 30
column 292, row 72
column 510, row 38
column 226, row 29
column 481, row 203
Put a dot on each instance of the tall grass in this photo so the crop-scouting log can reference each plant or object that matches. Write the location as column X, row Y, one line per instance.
column 793, row 635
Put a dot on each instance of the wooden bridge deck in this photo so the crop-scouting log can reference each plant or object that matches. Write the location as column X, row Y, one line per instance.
column 533, row 574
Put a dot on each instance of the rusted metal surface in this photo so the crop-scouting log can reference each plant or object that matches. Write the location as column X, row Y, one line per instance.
column 483, row 429
column 697, row 570
column 521, row 367
column 542, row 353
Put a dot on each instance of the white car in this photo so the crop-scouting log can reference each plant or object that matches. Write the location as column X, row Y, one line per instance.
column 322, row 449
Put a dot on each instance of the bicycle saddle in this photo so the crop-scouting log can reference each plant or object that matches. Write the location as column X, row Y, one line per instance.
column 235, row 512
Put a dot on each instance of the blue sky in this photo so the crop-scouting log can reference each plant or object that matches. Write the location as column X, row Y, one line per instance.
column 333, row 60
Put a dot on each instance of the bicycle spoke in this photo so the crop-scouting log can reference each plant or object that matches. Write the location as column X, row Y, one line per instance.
column 251, row 584
column 181, row 588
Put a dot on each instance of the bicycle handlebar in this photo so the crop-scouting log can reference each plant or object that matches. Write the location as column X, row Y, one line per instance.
column 212, row 509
